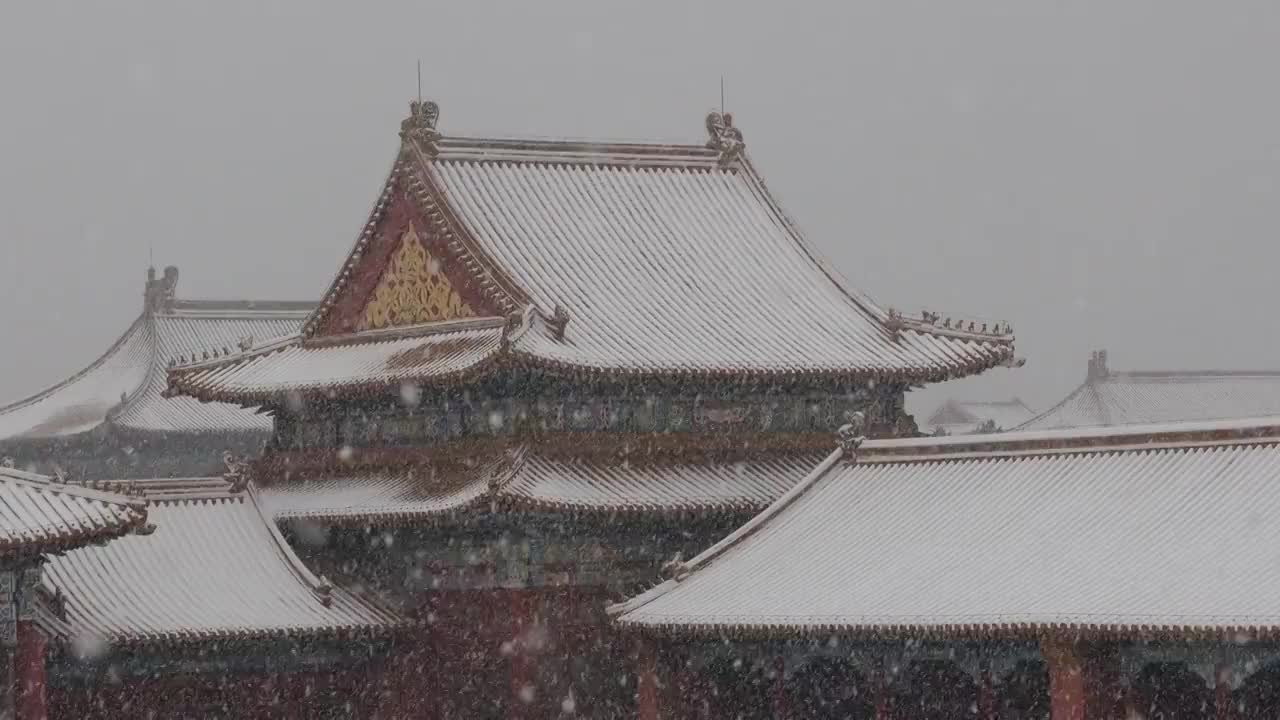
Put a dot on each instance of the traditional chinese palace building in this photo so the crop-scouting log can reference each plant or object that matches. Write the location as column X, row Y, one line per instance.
column 1110, row 573
column 966, row 417
column 1114, row 398
column 109, row 421
column 211, row 615
column 40, row 518
column 545, row 369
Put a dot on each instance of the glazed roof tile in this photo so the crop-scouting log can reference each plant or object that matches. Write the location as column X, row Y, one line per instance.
column 677, row 268
column 124, row 386
column 665, row 261
column 1165, row 530
column 215, row 568
column 39, row 514
column 366, row 359
column 534, row 481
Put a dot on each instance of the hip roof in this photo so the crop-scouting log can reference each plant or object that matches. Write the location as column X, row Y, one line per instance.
column 1156, row 531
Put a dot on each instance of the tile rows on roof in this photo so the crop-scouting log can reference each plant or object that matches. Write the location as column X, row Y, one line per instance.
column 530, row 480
column 38, row 514
column 215, row 568
column 374, row 358
column 83, row 402
column 124, row 386
column 1125, row 538
column 1128, row 398
column 667, row 261
column 957, row 417
column 676, row 269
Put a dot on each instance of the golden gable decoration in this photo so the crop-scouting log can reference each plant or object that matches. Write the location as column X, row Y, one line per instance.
column 413, row 290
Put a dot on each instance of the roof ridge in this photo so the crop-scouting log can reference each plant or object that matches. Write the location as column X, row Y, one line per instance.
column 252, row 303
column 156, row 372
column 860, row 299
column 1060, row 404
column 1094, row 438
column 409, row 174
column 140, row 321
column 963, row 455
column 318, row 585
column 702, row 559
column 44, row 483
column 1188, row 374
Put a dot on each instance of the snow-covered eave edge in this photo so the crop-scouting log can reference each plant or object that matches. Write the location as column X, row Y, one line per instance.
column 500, row 502
column 683, row 570
column 512, row 355
column 66, row 538
column 1116, row 438
column 197, row 636
column 897, row 629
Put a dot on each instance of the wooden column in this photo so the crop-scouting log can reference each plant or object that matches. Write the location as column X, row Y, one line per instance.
column 778, row 690
column 1104, row 680
column 1224, row 705
column 647, row 679
column 884, row 704
column 987, row 709
column 1067, row 697
column 29, row 669
column 7, row 683
column 521, row 669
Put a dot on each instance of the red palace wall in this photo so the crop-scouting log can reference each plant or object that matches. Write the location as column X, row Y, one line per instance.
column 527, row 654
column 318, row 695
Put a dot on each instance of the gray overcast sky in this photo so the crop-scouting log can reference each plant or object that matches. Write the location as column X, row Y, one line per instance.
column 1098, row 173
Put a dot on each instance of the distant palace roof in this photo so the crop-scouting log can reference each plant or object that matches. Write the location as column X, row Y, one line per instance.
column 961, row 417
column 39, row 514
column 215, row 568
column 1127, row 398
column 532, row 480
column 639, row 259
column 1136, row 532
column 123, row 387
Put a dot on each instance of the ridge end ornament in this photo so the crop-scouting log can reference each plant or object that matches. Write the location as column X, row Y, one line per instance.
column 724, row 138
column 420, row 126
column 851, row 437
column 237, row 474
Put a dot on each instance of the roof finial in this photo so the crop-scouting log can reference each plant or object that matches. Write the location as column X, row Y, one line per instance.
column 160, row 294
column 850, row 434
column 724, row 137
column 558, row 321
column 237, row 474
column 420, row 126
column 1097, row 365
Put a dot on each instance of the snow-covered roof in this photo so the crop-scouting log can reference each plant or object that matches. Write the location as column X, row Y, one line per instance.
column 631, row 258
column 361, row 360
column 215, row 568
column 1141, row 397
column 124, row 386
column 529, row 479
column 1167, row 531
column 39, row 514
column 960, row 417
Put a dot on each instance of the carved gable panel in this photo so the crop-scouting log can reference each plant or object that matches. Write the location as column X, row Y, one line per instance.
column 407, row 275
column 413, row 289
